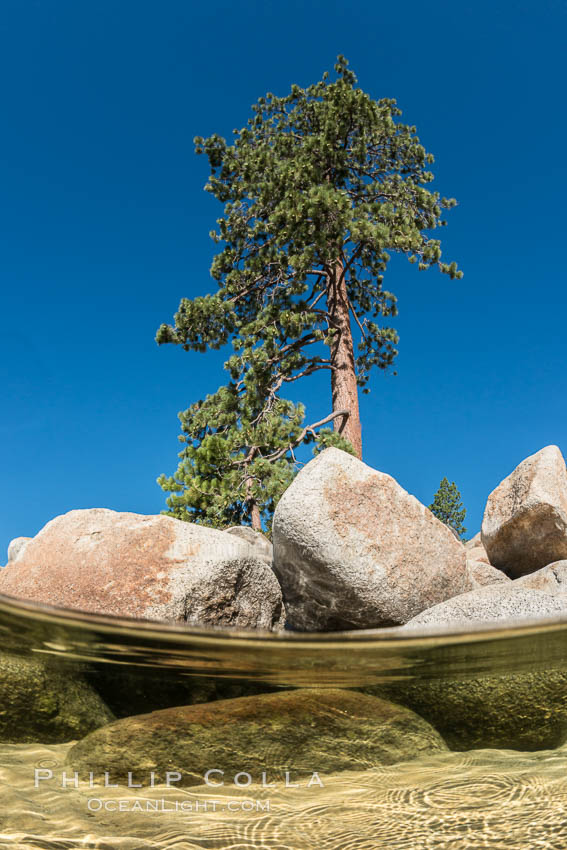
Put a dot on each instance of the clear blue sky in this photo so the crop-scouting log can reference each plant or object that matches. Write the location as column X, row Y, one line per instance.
column 104, row 226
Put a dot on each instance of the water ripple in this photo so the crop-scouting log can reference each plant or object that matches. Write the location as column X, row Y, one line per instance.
column 494, row 799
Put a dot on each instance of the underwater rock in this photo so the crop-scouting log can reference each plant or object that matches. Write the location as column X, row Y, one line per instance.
column 493, row 604
column 41, row 702
column 258, row 542
column 353, row 550
column 149, row 567
column 552, row 579
column 513, row 711
column 525, row 520
column 300, row 732
column 520, row 710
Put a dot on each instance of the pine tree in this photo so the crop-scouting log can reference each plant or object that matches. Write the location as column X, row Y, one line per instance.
column 318, row 188
column 447, row 507
column 239, row 457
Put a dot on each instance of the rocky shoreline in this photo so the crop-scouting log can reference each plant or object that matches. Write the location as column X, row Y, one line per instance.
column 351, row 550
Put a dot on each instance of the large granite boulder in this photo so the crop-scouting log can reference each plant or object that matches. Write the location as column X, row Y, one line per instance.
column 474, row 541
column 525, row 521
column 497, row 603
column 299, row 731
column 257, row 541
column 478, row 553
column 148, row 567
column 43, row 701
column 481, row 574
column 475, row 549
column 552, row 579
column 353, row 549
column 16, row 547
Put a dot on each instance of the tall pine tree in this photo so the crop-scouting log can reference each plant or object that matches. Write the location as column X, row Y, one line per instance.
column 447, row 507
column 317, row 188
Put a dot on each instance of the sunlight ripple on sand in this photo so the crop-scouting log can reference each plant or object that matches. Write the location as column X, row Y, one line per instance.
column 487, row 798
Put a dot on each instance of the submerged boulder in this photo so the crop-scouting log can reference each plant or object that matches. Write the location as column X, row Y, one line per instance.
column 148, row 567
column 300, row 731
column 524, row 710
column 512, row 711
column 353, row 550
column 42, row 701
column 525, row 521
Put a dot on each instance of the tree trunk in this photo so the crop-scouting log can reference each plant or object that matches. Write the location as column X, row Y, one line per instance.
column 343, row 376
column 252, row 504
column 255, row 516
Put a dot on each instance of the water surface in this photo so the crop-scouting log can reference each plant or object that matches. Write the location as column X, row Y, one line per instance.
column 489, row 797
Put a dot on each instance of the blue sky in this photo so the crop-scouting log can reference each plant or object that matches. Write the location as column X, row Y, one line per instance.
column 104, row 226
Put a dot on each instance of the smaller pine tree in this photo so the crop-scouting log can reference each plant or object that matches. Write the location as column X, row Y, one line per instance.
column 239, row 456
column 448, row 507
